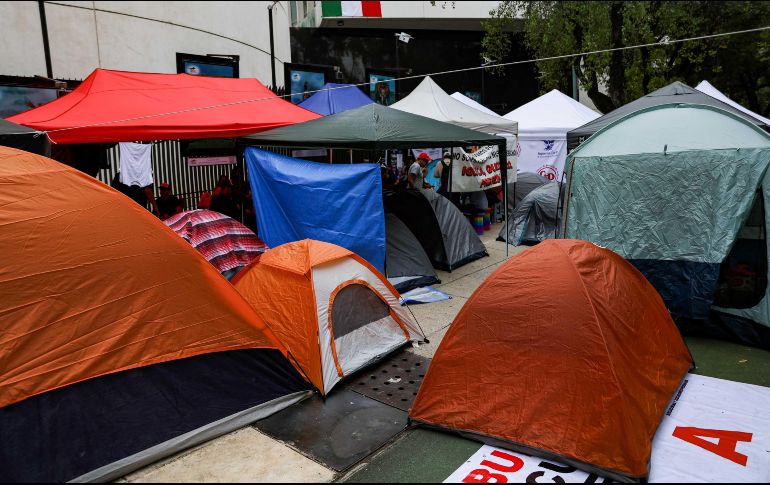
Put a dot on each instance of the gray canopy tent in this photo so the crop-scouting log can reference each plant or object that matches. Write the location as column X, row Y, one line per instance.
column 23, row 138
column 676, row 92
column 378, row 128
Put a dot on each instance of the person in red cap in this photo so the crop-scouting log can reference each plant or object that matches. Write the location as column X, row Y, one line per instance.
column 417, row 171
column 168, row 204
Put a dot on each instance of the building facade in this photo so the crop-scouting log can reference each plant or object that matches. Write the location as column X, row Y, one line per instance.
column 339, row 42
column 67, row 40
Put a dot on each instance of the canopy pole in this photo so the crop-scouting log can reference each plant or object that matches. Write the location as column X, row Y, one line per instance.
column 503, row 157
column 351, row 156
column 242, row 170
column 451, row 169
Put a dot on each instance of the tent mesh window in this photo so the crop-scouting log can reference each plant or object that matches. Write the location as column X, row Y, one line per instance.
column 743, row 274
column 356, row 306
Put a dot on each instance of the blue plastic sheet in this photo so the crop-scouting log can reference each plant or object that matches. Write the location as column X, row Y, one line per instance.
column 340, row 204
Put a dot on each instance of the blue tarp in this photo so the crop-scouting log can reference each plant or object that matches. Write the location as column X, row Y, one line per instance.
column 335, row 98
column 434, row 181
column 340, row 204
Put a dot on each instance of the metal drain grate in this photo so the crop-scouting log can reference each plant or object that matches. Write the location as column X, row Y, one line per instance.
column 339, row 431
column 394, row 381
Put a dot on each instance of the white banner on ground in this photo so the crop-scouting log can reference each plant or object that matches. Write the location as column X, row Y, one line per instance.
column 544, row 157
column 480, row 170
column 714, row 431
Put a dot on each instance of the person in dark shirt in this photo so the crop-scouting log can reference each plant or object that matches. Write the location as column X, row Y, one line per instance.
column 224, row 202
column 388, row 177
column 443, row 167
column 168, row 204
column 140, row 195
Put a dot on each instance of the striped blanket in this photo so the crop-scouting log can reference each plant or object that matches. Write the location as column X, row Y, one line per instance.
column 224, row 242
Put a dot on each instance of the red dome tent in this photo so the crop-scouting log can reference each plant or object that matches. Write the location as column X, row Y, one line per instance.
column 113, row 106
column 580, row 372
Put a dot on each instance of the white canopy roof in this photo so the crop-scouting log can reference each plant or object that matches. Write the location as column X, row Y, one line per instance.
column 472, row 103
column 429, row 100
column 551, row 115
column 706, row 87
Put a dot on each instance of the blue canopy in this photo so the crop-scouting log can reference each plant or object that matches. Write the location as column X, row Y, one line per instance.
column 335, row 98
column 297, row 199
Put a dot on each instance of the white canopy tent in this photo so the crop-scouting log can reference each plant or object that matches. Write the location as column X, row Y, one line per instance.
column 429, row 100
column 543, row 126
column 706, row 87
column 470, row 173
column 472, row 103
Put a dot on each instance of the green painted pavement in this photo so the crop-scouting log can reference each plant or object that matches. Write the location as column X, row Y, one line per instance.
column 419, row 456
column 725, row 360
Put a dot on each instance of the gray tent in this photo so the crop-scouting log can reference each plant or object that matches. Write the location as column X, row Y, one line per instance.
column 534, row 220
column 443, row 231
column 461, row 242
column 406, row 264
column 23, row 138
column 675, row 92
column 526, row 182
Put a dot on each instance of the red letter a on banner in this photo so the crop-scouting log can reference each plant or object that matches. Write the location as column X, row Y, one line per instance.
column 728, row 440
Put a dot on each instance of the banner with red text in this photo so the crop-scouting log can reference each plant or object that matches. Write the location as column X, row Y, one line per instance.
column 543, row 157
column 480, row 170
column 714, row 431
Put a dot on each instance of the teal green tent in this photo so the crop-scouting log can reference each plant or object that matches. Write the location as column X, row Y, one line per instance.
column 680, row 190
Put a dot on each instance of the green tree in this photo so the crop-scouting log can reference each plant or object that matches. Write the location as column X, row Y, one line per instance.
column 739, row 65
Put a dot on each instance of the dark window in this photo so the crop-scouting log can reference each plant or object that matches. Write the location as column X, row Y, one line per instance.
column 356, row 306
column 743, row 274
column 208, row 65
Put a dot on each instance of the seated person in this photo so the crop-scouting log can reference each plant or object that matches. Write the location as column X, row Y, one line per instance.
column 140, row 195
column 168, row 204
column 224, row 202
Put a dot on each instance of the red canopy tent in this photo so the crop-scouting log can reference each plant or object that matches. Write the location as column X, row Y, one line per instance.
column 112, row 106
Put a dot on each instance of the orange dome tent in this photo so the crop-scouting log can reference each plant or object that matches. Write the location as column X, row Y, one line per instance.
column 119, row 343
column 577, row 363
column 333, row 310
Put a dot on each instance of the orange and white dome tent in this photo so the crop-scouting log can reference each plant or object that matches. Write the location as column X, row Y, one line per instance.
column 576, row 364
column 333, row 311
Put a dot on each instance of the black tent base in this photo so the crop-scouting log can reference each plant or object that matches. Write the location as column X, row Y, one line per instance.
column 103, row 428
column 727, row 327
column 468, row 259
column 417, row 282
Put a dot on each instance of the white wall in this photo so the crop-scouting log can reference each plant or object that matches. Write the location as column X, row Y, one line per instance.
column 141, row 36
column 22, row 50
column 442, row 9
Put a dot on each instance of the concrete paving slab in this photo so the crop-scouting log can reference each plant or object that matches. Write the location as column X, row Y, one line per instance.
column 432, row 317
column 428, row 350
column 240, row 457
column 470, row 268
column 466, row 285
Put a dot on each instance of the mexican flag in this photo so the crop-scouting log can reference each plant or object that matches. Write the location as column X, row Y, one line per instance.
column 351, row 9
